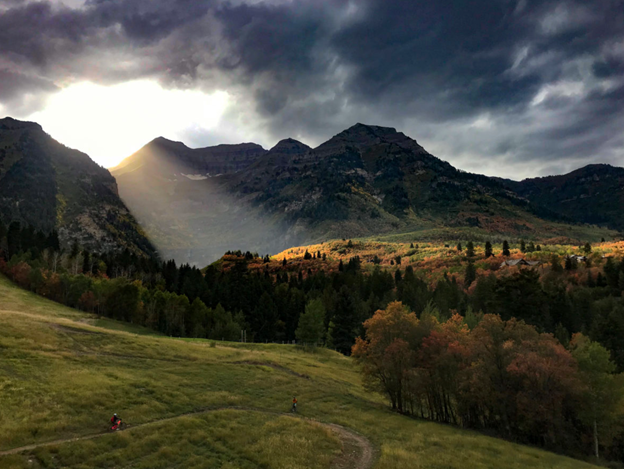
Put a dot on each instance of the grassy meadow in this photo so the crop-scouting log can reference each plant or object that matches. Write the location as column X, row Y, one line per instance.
column 63, row 373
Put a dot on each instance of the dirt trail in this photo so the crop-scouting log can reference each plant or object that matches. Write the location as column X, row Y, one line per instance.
column 357, row 450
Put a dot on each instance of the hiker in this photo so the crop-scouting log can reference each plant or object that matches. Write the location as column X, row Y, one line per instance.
column 294, row 404
column 115, row 420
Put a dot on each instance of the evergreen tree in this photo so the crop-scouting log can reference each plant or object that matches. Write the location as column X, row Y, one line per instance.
column 555, row 264
column 506, row 251
column 488, row 249
column 531, row 247
column 86, row 262
column 284, row 262
column 522, row 246
column 397, row 277
column 470, row 249
column 346, row 321
column 570, row 263
column 459, row 247
column 307, row 255
column 75, row 250
column 311, row 328
column 587, row 249
column 14, row 239
column 471, row 274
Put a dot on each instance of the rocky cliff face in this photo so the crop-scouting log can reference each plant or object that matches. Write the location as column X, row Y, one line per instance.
column 50, row 186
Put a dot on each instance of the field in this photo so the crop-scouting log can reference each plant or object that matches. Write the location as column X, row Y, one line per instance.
column 197, row 404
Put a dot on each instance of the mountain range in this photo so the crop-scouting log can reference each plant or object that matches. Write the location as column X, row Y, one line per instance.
column 51, row 187
column 195, row 204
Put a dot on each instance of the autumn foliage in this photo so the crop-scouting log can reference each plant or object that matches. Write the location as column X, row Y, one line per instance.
column 501, row 376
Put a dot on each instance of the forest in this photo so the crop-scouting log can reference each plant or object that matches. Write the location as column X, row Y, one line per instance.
column 444, row 349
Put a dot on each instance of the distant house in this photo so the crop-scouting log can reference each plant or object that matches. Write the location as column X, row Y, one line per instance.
column 579, row 258
column 519, row 262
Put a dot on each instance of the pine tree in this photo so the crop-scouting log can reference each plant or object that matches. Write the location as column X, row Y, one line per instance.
column 488, row 249
column 556, row 264
column 311, row 327
column 587, row 248
column 284, row 262
column 86, row 262
column 471, row 274
column 522, row 245
column 570, row 263
column 506, row 251
column 346, row 321
column 75, row 250
column 398, row 277
column 459, row 247
column 470, row 249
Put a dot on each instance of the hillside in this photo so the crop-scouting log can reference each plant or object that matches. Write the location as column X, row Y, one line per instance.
column 592, row 194
column 190, row 404
column 49, row 186
column 177, row 195
column 365, row 181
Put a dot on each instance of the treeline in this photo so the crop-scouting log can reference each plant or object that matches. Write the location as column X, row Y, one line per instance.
column 221, row 301
column 495, row 375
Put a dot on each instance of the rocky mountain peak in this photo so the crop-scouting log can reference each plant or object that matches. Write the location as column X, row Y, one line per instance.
column 290, row 146
column 363, row 137
column 8, row 123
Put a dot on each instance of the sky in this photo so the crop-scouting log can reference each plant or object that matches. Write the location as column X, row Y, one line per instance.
column 511, row 88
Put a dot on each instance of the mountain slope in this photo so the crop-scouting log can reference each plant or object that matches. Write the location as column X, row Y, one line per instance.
column 50, row 186
column 592, row 194
column 178, row 196
column 367, row 180
column 90, row 367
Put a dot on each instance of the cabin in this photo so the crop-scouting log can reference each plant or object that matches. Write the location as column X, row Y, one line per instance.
column 579, row 258
column 519, row 262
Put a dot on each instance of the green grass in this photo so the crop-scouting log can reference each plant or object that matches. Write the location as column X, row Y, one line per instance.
column 62, row 375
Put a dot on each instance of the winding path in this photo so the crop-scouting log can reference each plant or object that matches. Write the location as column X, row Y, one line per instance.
column 357, row 450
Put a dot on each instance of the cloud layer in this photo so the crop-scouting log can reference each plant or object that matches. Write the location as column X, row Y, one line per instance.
column 506, row 87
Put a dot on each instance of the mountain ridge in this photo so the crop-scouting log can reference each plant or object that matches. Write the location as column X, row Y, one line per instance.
column 49, row 186
column 366, row 180
column 591, row 194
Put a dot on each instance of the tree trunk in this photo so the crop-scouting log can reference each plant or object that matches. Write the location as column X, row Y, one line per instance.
column 596, row 439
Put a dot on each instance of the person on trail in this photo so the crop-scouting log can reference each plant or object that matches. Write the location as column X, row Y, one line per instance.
column 294, row 404
column 115, row 420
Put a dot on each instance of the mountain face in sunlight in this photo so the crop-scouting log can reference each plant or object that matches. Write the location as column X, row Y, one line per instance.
column 49, row 186
column 180, row 197
column 367, row 180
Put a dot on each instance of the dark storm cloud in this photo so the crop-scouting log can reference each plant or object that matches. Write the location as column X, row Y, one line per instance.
column 508, row 81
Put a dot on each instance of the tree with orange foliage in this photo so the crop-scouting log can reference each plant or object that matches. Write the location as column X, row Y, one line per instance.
column 387, row 354
column 443, row 354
